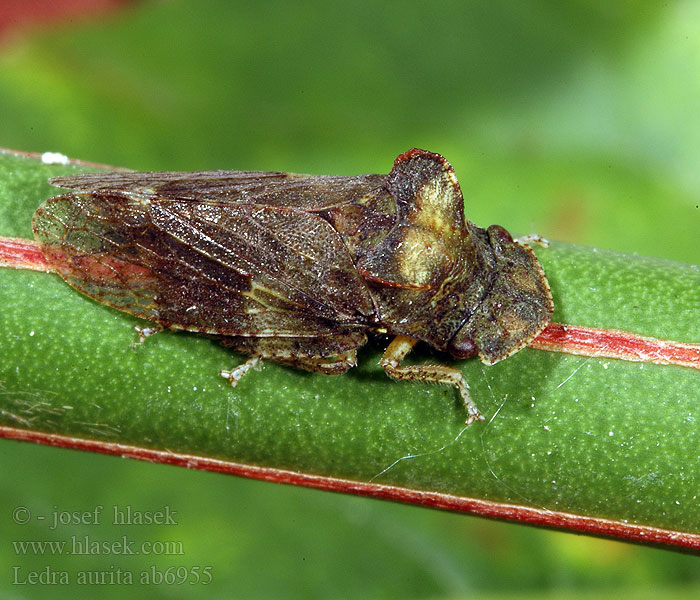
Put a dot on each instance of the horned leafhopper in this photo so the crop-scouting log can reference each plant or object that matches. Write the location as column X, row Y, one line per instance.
column 298, row 269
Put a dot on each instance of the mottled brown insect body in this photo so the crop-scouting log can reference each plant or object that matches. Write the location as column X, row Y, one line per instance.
column 298, row 268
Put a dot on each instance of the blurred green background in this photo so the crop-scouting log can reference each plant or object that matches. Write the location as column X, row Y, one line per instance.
column 574, row 120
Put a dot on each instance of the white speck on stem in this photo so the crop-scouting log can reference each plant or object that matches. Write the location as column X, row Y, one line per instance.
column 54, row 158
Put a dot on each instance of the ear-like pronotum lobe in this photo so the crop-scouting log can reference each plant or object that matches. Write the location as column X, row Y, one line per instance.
column 426, row 240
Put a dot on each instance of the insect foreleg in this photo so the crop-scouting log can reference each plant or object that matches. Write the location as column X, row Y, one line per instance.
column 400, row 346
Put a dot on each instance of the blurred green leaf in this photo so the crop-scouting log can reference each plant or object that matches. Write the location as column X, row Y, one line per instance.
column 589, row 436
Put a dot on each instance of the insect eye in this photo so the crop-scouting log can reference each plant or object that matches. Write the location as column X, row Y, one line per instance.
column 463, row 347
column 500, row 233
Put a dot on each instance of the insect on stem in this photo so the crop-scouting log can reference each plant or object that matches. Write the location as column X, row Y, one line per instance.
column 299, row 269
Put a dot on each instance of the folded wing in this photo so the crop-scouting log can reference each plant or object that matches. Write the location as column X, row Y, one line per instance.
column 227, row 254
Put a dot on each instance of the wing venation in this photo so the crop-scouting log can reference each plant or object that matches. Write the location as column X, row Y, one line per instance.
column 230, row 268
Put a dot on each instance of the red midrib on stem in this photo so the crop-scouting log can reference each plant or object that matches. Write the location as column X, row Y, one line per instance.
column 22, row 254
column 611, row 343
column 486, row 508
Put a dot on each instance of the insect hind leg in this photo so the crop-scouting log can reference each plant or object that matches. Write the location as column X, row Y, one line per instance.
column 397, row 350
